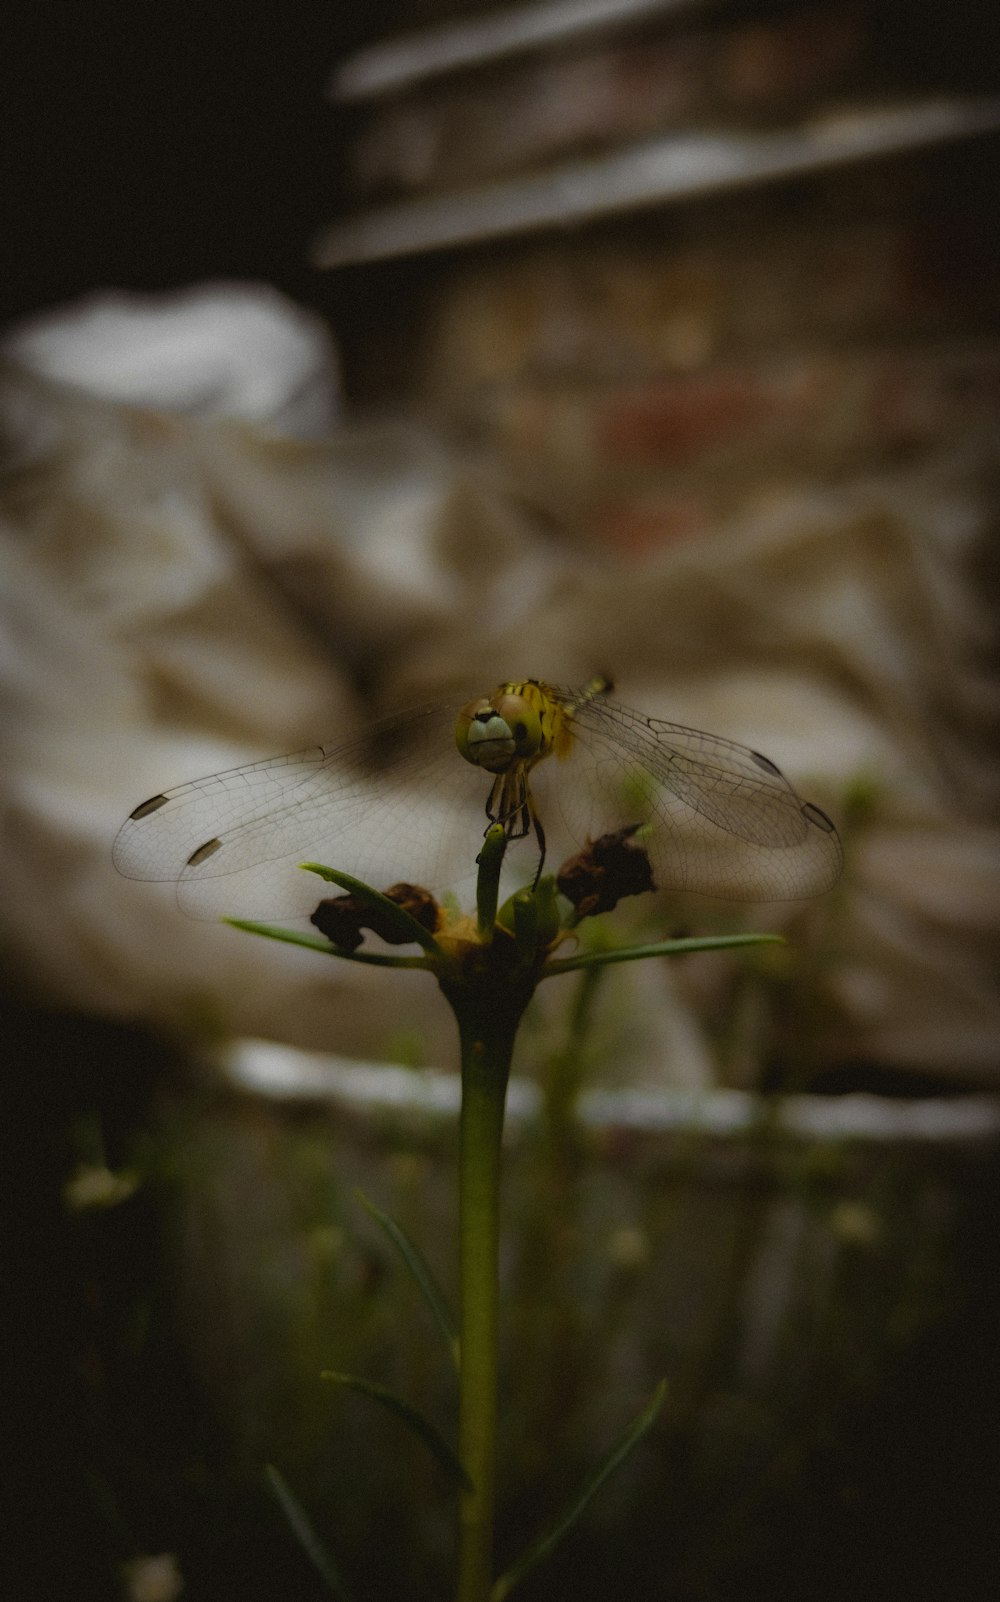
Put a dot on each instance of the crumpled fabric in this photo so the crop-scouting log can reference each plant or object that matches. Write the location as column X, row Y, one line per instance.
column 222, row 349
column 184, row 592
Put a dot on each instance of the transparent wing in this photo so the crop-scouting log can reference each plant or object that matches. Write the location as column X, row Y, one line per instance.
column 396, row 803
column 721, row 819
column 157, row 839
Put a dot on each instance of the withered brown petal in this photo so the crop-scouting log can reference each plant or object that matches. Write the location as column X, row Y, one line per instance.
column 343, row 918
column 417, row 901
column 605, row 871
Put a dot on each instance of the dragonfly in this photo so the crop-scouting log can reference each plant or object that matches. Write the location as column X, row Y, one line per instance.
column 406, row 798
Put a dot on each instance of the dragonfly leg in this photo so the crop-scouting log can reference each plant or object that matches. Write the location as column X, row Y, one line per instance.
column 540, row 837
column 510, row 804
column 494, row 800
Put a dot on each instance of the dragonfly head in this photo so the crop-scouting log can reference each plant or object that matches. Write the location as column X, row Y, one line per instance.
column 496, row 731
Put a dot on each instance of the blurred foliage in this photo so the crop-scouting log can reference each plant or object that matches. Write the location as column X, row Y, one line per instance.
column 822, row 1313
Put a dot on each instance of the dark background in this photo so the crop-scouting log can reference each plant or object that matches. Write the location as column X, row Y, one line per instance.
column 149, row 145
column 143, row 146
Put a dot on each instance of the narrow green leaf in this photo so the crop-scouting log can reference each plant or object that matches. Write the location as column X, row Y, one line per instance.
column 305, row 1534
column 428, row 1432
column 420, row 1270
column 663, row 948
column 544, row 1544
column 292, row 937
column 392, row 914
column 488, row 882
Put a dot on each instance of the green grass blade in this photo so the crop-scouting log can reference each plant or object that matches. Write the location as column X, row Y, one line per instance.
column 421, row 1426
column 274, row 931
column 490, row 859
column 544, row 1544
column 662, row 948
column 305, row 1534
column 420, row 1271
column 291, row 937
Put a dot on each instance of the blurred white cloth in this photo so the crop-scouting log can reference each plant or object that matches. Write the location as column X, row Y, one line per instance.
column 221, row 349
column 182, row 594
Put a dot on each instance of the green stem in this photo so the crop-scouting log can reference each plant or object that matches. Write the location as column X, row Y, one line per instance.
column 487, row 1043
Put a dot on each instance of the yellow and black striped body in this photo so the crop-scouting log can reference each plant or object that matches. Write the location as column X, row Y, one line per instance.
column 508, row 733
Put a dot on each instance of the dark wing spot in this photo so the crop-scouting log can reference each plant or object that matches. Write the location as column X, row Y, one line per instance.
column 815, row 815
column 203, row 853
column 766, row 763
column 144, row 808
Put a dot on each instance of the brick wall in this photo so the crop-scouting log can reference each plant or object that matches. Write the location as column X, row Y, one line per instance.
column 640, row 378
column 555, row 104
column 645, row 382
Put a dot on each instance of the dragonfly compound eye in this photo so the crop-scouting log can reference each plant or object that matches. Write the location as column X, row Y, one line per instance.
column 484, row 737
column 494, row 733
column 523, row 721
